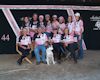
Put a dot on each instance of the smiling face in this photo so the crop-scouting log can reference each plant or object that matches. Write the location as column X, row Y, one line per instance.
column 41, row 18
column 24, row 31
column 54, row 18
column 35, row 17
column 39, row 30
column 55, row 31
column 61, row 19
column 47, row 17
column 26, row 19
column 66, row 31
column 77, row 18
column 70, row 19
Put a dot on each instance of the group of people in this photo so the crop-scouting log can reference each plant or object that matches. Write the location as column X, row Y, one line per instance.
column 61, row 35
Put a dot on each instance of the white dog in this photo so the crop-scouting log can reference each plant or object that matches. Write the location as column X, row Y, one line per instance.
column 49, row 55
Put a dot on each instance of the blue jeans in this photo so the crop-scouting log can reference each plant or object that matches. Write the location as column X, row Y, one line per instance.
column 80, row 52
column 37, row 53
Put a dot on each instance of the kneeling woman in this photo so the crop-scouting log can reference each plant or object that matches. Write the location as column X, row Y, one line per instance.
column 24, row 45
column 71, row 44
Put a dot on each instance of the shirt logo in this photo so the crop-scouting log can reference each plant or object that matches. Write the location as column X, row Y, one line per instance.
column 97, row 26
column 96, row 19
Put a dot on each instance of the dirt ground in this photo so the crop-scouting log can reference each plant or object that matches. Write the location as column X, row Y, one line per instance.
column 86, row 69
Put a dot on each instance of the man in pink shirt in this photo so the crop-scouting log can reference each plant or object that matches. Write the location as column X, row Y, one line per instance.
column 79, row 29
column 39, row 40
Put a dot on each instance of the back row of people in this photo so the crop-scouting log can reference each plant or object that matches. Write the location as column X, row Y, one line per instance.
column 55, row 31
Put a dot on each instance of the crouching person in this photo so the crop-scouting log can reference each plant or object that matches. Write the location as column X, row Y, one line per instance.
column 24, row 43
column 40, row 38
column 71, row 44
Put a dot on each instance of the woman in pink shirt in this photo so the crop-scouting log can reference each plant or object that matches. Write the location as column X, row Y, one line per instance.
column 25, row 23
column 71, row 26
column 70, row 43
column 24, row 45
column 48, row 25
column 55, row 23
column 62, row 25
column 56, row 38
column 33, row 24
column 79, row 29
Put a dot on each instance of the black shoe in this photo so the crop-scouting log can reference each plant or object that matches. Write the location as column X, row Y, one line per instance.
column 59, row 61
column 19, row 62
column 37, row 63
column 75, row 61
column 44, row 62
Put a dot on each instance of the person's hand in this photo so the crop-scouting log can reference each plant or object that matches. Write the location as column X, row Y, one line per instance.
column 28, row 47
column 66, row 44
column 50, row 41
column 62, row 41
column 35, row 45
column 79, row 37
column 24, row 47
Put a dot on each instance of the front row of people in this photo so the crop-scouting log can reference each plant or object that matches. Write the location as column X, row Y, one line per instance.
column 58, row 41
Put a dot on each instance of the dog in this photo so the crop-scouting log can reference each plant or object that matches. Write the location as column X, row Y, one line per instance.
column 49, row 55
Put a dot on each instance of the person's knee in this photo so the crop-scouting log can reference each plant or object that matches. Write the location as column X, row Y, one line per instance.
column 36, row 50
column 43, row 50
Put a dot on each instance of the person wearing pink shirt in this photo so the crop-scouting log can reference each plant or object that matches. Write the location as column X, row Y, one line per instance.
column 55, row 23
column 71, row 44
column 79, row 29
column 39, row 40
column 41, row 21
column 71, row 26
column 62, row 25
column 48, row 25
column 56, row 38
column 25, row 22
column 33, row 24
column 24, row 45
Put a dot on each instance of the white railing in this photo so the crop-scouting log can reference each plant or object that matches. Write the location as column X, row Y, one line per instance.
column 10, row 18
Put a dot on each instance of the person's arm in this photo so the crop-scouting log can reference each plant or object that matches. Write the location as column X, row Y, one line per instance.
column 33, row 40
column 29, row 46
column 21, row 46
column 82, row 27
column 73, row 29
column 33, row 30
column 70, row 41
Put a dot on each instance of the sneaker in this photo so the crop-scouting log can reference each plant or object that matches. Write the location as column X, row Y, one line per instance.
column 37, row 63
column 44, row 62
column 19, row 62
column 59, row 61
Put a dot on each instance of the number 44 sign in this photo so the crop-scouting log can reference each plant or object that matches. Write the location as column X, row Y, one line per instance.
column 5, row 37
